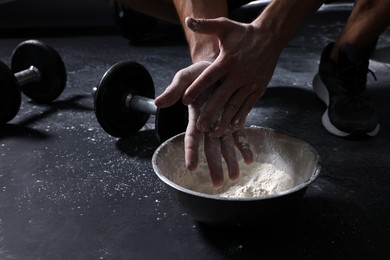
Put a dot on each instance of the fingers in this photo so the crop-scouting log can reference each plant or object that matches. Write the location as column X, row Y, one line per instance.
column 238, row 120
column 211, row 111
column 212, row 150
column 171, row 94
column 225, row 146
column 227, row 101
column 234, row 106
column 217, row 26
column 193, row 136
column 181, row 81
column 229, row 155
column 230, row 117
column 192, row 140
column 208, row 78
column 243, row 146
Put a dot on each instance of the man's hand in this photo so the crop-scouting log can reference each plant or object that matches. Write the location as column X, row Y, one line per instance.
column 181, row 81
column 243, row 69
column 215, row 148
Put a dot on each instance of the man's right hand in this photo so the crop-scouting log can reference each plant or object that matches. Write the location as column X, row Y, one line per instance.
column 215, row 148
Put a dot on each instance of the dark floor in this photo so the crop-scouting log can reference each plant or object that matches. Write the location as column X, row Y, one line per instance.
column 70, row 191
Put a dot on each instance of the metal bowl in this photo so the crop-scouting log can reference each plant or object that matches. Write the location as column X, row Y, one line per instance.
column 295, row 157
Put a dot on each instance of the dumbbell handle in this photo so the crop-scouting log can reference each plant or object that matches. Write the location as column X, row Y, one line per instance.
column 139, row 103
column 28, row 75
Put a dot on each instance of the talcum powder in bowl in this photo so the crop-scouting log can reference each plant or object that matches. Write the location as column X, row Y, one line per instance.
column 283, row 168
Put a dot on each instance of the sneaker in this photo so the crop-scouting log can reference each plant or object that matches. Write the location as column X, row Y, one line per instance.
column 342, row 87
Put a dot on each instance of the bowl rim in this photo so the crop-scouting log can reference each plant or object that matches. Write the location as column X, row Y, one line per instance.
column 296, row 188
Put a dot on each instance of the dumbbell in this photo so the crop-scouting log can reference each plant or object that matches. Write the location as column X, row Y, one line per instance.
column 37, row 70
column 124, row 101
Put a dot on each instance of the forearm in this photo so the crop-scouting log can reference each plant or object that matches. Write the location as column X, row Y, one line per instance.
column 282, row 18
column 369, row 18
column 202, row 47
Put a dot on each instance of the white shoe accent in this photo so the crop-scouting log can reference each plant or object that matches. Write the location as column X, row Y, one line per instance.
column 330, row 127
column 320, row 89
column 323, row 94
column 375, row 131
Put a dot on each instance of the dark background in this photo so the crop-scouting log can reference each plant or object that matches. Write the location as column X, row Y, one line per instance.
column 70, row 191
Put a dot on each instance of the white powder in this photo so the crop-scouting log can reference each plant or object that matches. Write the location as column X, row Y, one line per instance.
column 256, row 180
column 259, row 179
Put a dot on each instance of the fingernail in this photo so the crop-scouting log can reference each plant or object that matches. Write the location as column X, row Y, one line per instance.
column 217, row 182
column 191, row 166
column 192, row 23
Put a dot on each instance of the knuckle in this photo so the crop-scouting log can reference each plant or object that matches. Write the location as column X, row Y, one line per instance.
column 233, row 106
column 219, row 99
column 252, row 87
column 181, row 75
column 224, row 123
column 222, row 19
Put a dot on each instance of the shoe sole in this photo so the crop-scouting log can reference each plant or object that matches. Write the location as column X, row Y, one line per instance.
column 323, row 94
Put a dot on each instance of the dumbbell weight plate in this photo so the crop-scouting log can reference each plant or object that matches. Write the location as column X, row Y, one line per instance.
column 50, row 65
column 171, row 121
column 10, row 98
column 117, row 83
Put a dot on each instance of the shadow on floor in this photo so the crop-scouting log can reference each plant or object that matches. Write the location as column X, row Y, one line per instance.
column 303, row 232
column 22, row 127
column 142, row 145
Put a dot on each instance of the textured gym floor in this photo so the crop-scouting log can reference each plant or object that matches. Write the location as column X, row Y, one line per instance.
column 70, row 191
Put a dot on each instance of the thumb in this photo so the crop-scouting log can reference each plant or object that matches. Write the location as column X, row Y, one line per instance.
column 207, row 26
column 181, row 81
column 170, row 96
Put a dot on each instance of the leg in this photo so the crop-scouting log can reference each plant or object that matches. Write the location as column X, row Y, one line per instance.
column 165, row 9
column 161, row 9
column 342, row 75
column 368, row 19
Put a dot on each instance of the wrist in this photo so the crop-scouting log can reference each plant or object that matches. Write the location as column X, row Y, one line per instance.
column 270, row 32
column 203, row 47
